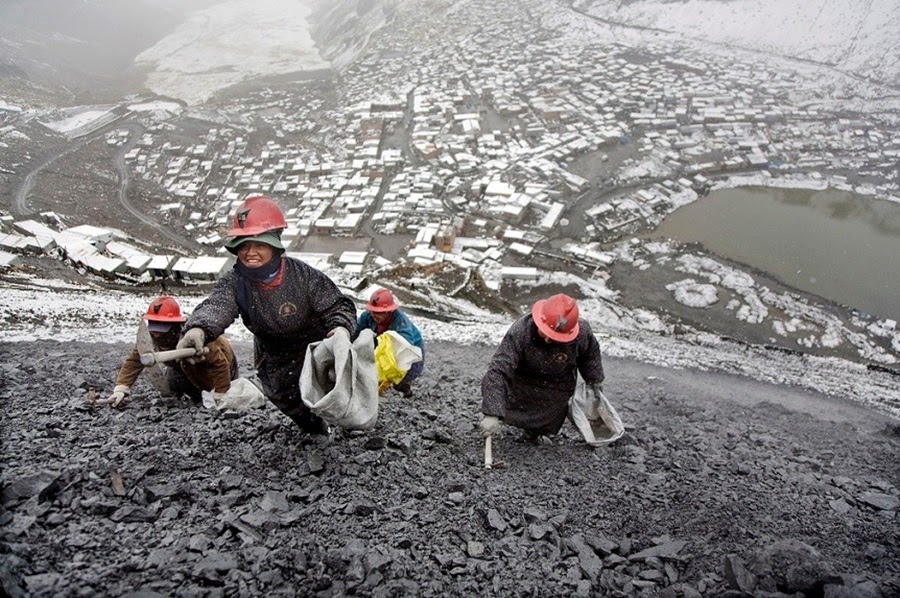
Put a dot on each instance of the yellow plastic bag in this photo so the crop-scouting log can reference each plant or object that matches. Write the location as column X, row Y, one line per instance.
column 386, row 362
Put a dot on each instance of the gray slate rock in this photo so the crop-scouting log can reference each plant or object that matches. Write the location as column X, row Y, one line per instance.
column 44, row 485
column 791, row 566
column 134, row 514
column 737, row 575
column 666, row 550
column 496, row 521
column 883, row 502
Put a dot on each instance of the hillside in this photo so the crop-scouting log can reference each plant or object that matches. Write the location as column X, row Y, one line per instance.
column 761, row 453
column 722, row 486
column 87, row 48
column 854, row 38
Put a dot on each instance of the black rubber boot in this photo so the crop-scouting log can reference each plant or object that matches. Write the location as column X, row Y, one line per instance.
column 529, row 437
column 311, row 423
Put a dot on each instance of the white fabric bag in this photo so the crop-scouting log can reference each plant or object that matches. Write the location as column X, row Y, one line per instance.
column 242, row 395
column 405, row 353
column 594, row 416
column 339, row 382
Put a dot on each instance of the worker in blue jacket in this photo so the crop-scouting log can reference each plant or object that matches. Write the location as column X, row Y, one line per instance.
column 383, row 314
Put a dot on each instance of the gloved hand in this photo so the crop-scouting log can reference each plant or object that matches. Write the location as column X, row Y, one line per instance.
column 195, row 339
column 338, row 330
column 119, row 396
column 489, row 424
column 593, row 411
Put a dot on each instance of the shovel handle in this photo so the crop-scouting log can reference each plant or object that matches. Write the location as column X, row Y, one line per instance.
column 164, row 356
column 488, row 453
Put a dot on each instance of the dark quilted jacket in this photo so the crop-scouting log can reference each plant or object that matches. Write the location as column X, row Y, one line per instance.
column 529, row 381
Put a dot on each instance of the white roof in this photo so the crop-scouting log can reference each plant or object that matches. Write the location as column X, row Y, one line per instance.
column 159, row 262
column 210, row 265
column 319, row 261
column 87, row 230
column 7, row 259
column 201, row 265
column 498, row 188
column 521, row 248
column 515, row 272
column 35, row 228
column 353, row 257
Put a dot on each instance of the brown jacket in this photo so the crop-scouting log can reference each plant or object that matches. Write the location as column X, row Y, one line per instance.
column 213, row 373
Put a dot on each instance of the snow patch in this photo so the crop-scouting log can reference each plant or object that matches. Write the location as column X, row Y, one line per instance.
column 76, row 121
column 689, row 292
column 229, row 43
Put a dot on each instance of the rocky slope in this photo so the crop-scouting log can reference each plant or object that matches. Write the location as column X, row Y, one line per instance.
column 721, row 487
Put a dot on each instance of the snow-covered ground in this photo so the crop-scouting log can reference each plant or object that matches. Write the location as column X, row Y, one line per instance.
column 46, row 309
column 78, row 119
column 228, row 43
column 236, row 40
column 853, row 37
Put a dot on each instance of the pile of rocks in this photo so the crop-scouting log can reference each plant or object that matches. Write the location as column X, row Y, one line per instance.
column 715, row 490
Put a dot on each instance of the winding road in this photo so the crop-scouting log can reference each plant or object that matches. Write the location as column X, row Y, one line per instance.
column 136, row 130
column 20, row 203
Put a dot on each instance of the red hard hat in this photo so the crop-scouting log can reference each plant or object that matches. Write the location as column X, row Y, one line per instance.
column 557, row 317
column 381, row 300
column 164, row 309
column 257, row 215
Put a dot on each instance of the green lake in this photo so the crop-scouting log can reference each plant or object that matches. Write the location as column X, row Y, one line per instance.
column 842, row 246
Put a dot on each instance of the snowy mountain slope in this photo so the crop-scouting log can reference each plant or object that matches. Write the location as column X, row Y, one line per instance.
column 74, row 45
column 343, row 29
column 857, row 37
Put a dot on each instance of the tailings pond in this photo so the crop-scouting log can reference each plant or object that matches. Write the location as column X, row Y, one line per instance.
column 839, row 245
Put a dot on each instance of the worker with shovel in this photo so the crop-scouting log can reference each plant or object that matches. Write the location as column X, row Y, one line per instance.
column 534, row 372
column 212, row 369
column 286, row 304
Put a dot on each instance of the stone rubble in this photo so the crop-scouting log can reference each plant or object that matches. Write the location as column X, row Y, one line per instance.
column 704, row 496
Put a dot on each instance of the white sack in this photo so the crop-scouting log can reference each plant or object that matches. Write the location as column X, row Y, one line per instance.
column 405, row 353
column 242, row 395
column 339, row 382
column 594, row 416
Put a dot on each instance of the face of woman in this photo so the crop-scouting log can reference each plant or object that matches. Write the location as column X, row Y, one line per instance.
column 168, row 338
column 382, row 317
column 253, row 254
column 545, row 338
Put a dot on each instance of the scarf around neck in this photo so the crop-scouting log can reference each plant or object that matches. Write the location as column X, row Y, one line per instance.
column 248, row 276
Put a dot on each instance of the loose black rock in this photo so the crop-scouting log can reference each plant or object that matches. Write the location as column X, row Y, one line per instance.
column 704, row 496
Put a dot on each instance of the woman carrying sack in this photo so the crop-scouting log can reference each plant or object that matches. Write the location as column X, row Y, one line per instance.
column 534, row 372
column 383, row 315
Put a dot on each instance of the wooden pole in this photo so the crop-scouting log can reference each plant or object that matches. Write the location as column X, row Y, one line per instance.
column 164, row 356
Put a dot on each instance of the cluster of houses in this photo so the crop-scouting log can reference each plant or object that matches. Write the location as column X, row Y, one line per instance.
column 472, row 152
column 100, row 252
column 490, row 133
